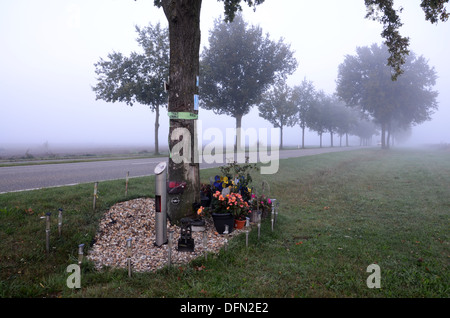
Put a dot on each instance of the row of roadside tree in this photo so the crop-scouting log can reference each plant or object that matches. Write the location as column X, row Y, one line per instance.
column 242, row 68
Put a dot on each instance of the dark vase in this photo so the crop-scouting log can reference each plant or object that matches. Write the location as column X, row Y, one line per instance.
column 222, row 219
column 205, row 200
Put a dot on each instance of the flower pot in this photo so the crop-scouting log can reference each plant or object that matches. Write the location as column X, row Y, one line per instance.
column 254, row 217
column 239, row 224
column 222, row 219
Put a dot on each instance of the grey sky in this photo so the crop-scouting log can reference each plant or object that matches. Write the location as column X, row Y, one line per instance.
column 49, row 48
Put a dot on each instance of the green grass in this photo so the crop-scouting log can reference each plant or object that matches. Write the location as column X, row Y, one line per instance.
column 339, row 213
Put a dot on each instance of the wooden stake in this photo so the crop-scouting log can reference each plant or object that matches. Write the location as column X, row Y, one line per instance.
column 95, row 194
column 126, row 183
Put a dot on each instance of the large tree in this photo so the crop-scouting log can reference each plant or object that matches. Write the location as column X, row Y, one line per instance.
column 304, row 96
column 137, row 78
column 183, row 17
column 278, row 107
column 239, row 66
column 317, row 117
column 364, row 81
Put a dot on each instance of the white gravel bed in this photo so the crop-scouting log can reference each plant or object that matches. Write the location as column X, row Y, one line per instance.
column 135, row 220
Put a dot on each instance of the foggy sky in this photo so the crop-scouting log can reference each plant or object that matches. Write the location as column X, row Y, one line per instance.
column 49, row 48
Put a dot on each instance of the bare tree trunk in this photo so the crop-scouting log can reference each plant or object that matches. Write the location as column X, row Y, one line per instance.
column 281, row 137
column 157, row 130
column 383, row 136
column 388, row 142
column 184, row 34
column 303, row 137
column 238, row 133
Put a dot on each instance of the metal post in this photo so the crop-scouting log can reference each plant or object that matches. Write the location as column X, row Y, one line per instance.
column 276, row 211
column 129, row 256
column 259, row 224
column 47, row 232
column 226, row 237
column 273, row 214
column 80, row 254
column 161, row 204
column 60, row 221
column 247, row 230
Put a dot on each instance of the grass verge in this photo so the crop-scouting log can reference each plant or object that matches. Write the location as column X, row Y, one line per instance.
column 340, row 212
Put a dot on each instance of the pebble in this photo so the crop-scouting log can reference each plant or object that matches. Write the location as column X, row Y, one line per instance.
column 135, row 219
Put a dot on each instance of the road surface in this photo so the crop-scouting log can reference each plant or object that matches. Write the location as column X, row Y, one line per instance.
column 21, row 178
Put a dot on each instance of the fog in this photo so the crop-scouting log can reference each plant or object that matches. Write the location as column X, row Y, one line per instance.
column 49, row 49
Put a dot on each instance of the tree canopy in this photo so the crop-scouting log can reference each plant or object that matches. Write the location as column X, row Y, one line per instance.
column 239, row 66
column 304, row 96
column 278, row 107
column 364, row 81
column 137, row 78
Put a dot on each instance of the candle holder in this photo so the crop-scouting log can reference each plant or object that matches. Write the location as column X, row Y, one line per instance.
column 186, row 242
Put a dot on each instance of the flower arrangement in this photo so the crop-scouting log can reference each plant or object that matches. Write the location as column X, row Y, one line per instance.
column 235, row 178
column 230, row 203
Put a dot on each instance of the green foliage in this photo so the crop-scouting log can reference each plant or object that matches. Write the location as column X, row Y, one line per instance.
column 235, row 67
column 136, row 78
column 278, row 107
column 398, row 46
column 304, row 96
column 364, row 81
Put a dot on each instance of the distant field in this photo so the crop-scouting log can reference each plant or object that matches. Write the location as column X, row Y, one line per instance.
column 340, row 213
column 15, row 155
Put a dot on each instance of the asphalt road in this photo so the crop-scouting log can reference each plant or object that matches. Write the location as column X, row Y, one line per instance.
column 21, row 178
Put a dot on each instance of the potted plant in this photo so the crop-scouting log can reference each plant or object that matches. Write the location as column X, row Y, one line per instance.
column 239, row 208
column 220, row 214
column 226, row 209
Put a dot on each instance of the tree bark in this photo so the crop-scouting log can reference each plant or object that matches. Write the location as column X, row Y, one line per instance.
column 238, row 133
column 303, row 137
column 281, row 137
column 184, row 36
